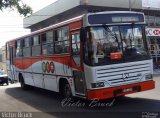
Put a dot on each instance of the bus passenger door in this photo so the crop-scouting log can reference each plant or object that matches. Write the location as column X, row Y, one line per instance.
column 11, row 64
column 78, row 74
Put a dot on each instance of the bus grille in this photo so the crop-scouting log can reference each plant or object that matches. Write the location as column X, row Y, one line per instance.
column 123, row 74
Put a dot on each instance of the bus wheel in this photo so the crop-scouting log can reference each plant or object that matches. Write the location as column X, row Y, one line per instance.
column 23, row 85
column 66, row 92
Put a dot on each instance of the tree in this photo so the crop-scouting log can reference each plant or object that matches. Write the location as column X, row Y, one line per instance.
column 22, row 8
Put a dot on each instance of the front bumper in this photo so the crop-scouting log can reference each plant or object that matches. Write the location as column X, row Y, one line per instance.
column 120, row 90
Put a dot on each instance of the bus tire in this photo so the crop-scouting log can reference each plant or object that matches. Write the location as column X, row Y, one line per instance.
column 66, row 90
column 22, row 82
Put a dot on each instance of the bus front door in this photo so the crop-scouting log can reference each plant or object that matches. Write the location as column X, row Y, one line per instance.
column 78, row 74
column 11, row 65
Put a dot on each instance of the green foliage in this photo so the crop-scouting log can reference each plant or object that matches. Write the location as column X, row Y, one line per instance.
column 22, row 8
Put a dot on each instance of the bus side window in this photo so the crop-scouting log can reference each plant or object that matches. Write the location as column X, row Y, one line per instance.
column 19, row 48
column 27, row 47
column 58, row 46
column 62, row 40
column 47, row 43
column 36, row 47
column 44, row 47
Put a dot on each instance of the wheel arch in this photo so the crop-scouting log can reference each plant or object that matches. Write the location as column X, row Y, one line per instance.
column 61, row 82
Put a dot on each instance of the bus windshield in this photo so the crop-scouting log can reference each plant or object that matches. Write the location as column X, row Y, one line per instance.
column 115, row 44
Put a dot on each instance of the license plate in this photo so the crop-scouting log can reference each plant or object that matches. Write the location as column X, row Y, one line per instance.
column 127, row 90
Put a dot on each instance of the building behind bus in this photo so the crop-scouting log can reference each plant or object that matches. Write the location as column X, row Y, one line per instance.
column 46, row 16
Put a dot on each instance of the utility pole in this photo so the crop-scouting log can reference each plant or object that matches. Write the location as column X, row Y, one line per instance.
column 130, row 7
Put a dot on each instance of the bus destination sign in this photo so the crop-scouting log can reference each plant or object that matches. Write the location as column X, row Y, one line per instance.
column 115, row 18
column 125, row 19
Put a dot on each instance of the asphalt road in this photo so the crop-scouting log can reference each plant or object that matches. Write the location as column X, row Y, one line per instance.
column 40, row 103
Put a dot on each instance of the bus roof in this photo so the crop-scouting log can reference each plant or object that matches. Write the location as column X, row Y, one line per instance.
column 49, row 27
column 113, row 12
column 70, row 21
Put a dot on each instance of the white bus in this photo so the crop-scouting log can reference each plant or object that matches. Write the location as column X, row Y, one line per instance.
column 96, row 55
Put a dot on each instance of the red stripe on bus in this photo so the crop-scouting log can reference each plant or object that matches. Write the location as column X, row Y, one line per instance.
column 110, row 92
column 28, row 62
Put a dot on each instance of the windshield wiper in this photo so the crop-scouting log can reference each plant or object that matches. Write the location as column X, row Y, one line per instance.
column 113, row 34
column 117, row 40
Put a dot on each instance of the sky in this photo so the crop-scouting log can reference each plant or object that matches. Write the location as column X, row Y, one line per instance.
column 151, row 3
column 11, row 23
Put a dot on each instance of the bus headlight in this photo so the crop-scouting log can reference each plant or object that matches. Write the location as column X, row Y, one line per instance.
column 149, row 77
column 97, row 85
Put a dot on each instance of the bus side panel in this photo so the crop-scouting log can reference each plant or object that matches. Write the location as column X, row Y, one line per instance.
column 62, row 68
column 37, row 72
column 50, row 83
column 28, row 71
column 49, row 74
column 18, row 67
column 55, row 68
